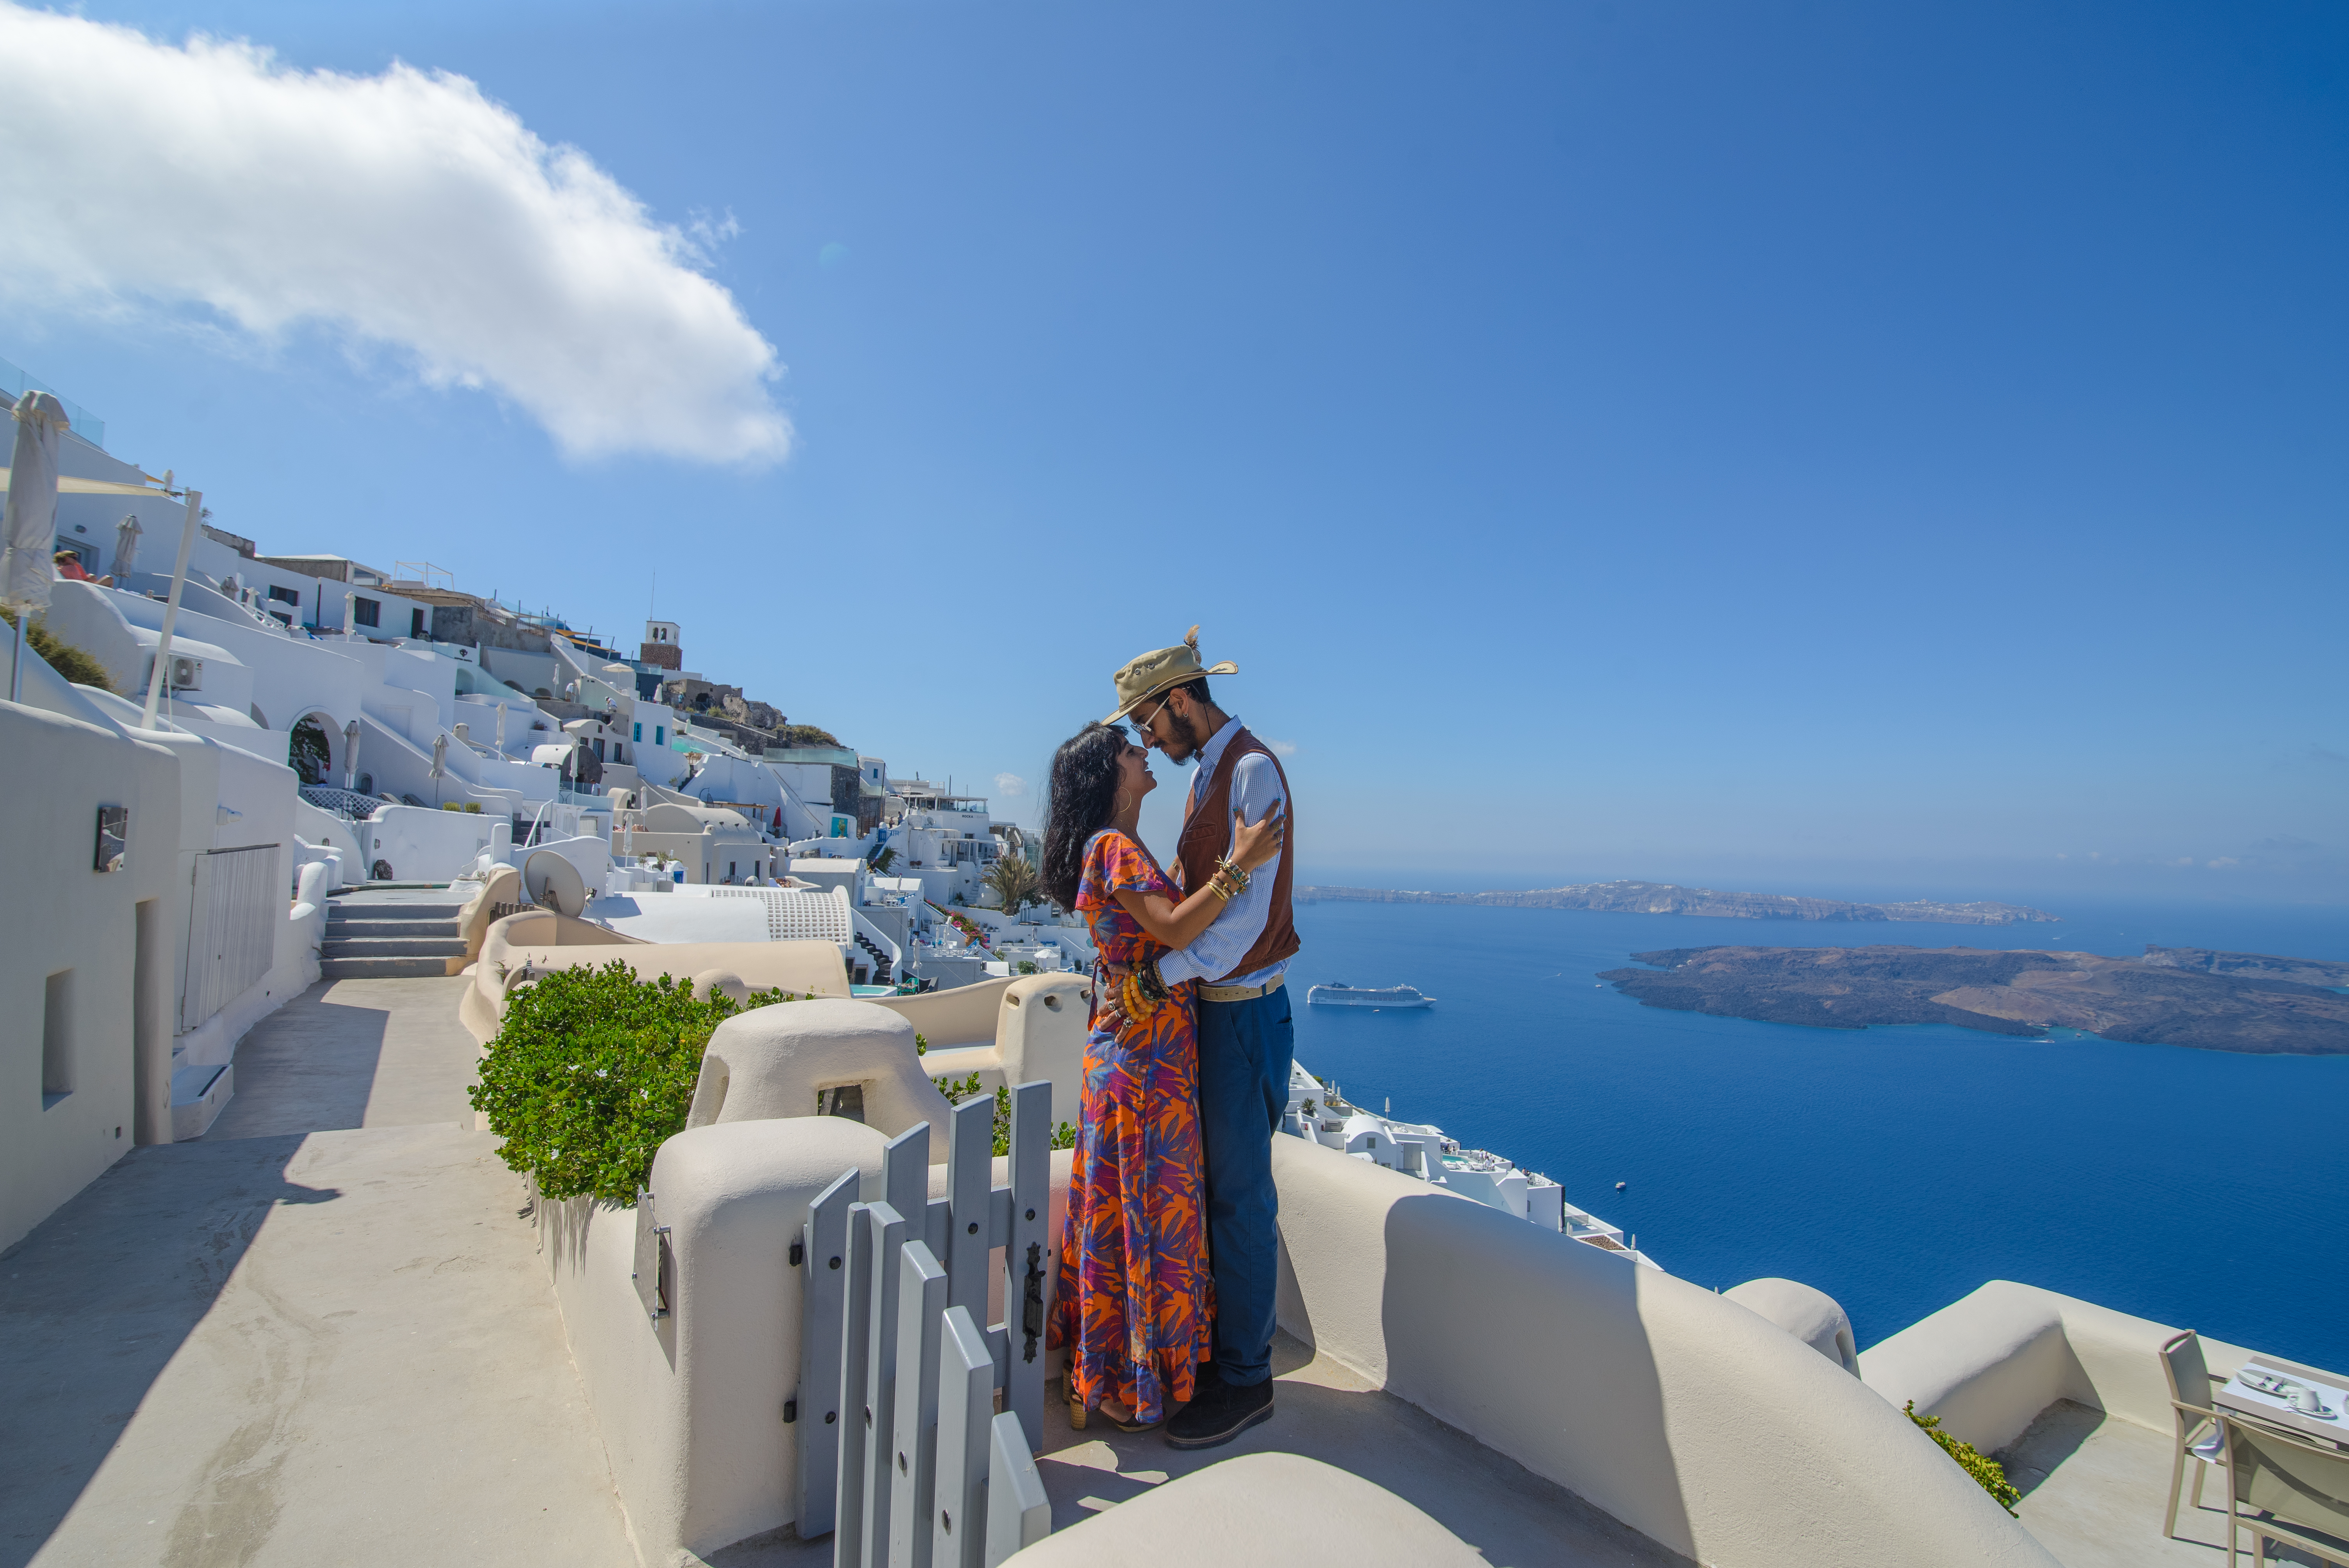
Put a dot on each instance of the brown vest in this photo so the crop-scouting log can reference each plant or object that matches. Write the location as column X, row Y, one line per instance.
column 1207, row 837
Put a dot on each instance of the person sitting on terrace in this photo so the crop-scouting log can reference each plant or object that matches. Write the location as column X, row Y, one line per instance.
column 71, row 570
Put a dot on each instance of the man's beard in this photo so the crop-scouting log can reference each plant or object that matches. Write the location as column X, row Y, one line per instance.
column 1187, row 727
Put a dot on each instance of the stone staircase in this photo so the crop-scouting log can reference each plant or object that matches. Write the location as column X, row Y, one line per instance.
column 880, row 969
column 372, row 940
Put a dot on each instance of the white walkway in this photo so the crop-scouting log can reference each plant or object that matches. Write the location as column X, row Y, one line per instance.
column 321, row 1334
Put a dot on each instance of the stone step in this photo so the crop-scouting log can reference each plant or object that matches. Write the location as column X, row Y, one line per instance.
column 392, row 947
column 373, row 925
column 380, row 968
column 348, row 908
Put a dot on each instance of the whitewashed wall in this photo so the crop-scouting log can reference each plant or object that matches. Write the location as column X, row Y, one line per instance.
column 65, row 918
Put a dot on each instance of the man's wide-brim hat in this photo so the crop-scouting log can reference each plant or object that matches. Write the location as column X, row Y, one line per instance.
column 1161, row 670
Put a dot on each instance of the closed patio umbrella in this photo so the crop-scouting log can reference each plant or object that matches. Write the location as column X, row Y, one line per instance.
column 28, row 529
column 126, row 544
column 195, row 513
column 440, row 763
column 351, row 755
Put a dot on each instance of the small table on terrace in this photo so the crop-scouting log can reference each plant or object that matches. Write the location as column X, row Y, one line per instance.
column 2238, row 1398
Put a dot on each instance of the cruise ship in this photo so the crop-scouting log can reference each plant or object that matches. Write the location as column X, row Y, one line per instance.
column 1342, row 995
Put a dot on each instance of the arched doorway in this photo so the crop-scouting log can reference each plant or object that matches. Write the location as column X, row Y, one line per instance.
column 310, row 750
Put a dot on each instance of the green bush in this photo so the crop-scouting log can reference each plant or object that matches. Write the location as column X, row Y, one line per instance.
column 77, row 665
column 591, row 1070
column 1988, row 1473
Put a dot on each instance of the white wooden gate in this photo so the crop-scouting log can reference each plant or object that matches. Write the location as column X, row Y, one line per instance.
column 232, row 915
column 907, row 1463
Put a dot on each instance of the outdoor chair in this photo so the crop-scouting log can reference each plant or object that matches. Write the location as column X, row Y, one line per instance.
column 2200, row 1433
column 2286, row 1490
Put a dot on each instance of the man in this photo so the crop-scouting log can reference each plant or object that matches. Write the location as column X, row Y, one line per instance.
column 1245, row 1037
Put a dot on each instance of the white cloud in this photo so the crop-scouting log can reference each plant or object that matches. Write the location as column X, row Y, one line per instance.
column 404, row 209
column 1011, row 784
column 1282, row 747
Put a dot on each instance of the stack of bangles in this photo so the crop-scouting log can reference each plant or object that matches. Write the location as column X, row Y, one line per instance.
column 1141, row 990
column 1229, row 883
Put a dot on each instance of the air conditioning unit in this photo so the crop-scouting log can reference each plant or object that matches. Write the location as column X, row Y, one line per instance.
column 187, row 674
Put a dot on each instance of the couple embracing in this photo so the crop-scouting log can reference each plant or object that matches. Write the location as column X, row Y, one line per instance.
column 1168, row 1263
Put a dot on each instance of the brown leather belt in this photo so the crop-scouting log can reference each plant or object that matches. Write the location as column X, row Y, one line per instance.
column 1206, row 993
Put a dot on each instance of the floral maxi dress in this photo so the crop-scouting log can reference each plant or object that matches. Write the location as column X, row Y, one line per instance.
column 1135, row 1297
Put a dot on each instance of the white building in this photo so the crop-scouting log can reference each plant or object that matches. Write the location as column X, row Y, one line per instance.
column 947, row 841
column 165, row 902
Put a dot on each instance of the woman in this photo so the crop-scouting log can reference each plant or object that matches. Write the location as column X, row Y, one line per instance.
column 1135, row 1300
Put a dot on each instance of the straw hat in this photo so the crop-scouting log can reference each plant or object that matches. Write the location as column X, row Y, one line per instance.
column 1162, row 670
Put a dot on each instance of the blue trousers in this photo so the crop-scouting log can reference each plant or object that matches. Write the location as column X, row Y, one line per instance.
column 1245, row 1049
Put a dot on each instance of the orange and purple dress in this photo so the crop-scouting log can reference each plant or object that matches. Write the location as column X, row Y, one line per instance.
column 1136, row 1298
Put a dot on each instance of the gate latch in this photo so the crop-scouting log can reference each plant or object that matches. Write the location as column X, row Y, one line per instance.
column 1031, row 1311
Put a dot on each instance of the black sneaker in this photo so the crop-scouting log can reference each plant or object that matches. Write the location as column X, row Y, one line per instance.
column 1219, row 1412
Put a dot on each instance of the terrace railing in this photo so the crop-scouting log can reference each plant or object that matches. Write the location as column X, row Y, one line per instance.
column 348, row 804
column 909, row 1464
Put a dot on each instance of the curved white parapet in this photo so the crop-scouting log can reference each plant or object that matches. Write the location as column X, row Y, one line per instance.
column 1682, row 1414
column 316, row 879
column 502, row 885
column 1989, row 1363
column 1258, row 1510
column 776, row 1061
column 960, row 1017
column 1034, row 1029
column 1807, row 1312
column 690, row 1404
column 518, row 947
column 701, row 1409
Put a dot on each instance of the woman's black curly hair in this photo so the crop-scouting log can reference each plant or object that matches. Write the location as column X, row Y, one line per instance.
column 1082, row 798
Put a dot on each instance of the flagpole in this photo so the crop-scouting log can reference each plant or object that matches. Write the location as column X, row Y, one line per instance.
column 172, row 608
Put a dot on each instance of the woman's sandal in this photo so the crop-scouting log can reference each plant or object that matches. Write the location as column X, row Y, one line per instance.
column 1118, row 1416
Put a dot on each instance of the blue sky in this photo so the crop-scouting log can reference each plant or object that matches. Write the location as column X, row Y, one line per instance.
column 1811, row 447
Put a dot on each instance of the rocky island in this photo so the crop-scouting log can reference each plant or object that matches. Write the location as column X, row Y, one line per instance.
column 2169, row 996
column 1664, row 898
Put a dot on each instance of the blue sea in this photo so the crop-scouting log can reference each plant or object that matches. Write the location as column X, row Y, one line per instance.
column 1895, row 1169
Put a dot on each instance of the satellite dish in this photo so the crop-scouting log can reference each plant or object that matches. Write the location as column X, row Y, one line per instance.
column 555, row 882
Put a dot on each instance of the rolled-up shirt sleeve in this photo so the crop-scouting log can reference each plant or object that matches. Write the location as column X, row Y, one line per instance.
column 1215, row 951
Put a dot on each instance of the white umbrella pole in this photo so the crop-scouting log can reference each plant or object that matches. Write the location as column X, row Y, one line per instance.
column 172, row 608
column 17, row 660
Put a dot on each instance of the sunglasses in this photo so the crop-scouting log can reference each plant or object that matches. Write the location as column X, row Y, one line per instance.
column 1142, row 725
